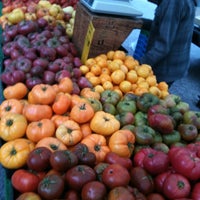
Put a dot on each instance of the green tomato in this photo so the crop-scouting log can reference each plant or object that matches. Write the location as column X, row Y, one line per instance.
column 171, row 138
column 140, row 118
column 109, row 96
column 146, row 100
column 126, row 106
column 144, row 135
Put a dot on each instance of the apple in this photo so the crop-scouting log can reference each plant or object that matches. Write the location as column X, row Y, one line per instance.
column 115, row 175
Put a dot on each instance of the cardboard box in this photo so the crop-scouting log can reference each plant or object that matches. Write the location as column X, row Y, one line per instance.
column 98, row 33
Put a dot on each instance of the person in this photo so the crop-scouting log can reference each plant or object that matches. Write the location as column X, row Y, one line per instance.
column 170, row 37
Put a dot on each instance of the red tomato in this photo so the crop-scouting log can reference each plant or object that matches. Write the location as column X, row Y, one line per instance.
column 185, row 161
column 25, row 181
column 196, row 191
column 51, row 187
column 176, row 186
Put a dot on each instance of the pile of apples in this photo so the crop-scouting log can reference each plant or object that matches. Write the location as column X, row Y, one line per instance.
column 38, row 52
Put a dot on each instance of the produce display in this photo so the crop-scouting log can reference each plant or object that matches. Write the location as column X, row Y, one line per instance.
column 102, row 129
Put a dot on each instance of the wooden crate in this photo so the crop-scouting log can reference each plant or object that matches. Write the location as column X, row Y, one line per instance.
column 98, row 33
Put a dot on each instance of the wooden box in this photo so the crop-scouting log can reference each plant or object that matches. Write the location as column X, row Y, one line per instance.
column 98, row 33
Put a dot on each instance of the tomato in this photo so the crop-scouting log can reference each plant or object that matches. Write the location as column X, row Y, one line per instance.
column 51, row 187
column 142, row 180
column 28, row 196
column 78, row 176
column 155, row 196
column 154, row 161
column 93, row 190
column 62, row 160
column 38, row 159
column 159, row 180
column 13, row 154
column 113, row 158
column 185, row 161
column 176, row 186
column 115, row 175
column 196, row 191
column 120, row 193
column 24, row 181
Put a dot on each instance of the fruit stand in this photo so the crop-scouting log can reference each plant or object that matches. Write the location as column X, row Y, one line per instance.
column 93, row 125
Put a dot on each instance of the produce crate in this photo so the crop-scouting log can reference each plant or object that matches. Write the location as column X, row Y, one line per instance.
column 98, row 33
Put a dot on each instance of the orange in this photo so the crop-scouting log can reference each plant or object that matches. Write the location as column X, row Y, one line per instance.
column 117, row 76
column 90, row 61
column 163, row 86
column 132, row 76
column 119, row 55
column 125, row 86
column 155, row 90
column 151, row 80
column 84, row 69
column 95, row 69
column 104, row 78
column 110, row 55
column 95, row 80
column 98, row 88
column 107, row 85
column 144, row 70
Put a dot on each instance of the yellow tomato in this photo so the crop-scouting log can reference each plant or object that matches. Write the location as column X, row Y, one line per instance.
column 118, row 76
column 125, row 86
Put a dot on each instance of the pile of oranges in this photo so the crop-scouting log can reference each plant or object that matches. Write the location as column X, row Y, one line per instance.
column 118, row 71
